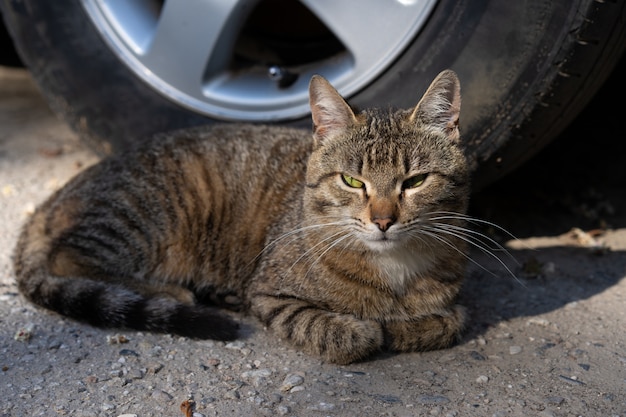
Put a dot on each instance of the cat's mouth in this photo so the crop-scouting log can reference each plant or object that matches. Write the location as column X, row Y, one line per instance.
column 380, row 241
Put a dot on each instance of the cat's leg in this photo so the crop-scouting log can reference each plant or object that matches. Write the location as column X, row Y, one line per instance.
column 337, row 338
column 436, row 331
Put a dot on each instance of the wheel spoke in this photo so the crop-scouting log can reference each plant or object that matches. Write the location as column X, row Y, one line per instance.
column 194, row 41
column 369, row 33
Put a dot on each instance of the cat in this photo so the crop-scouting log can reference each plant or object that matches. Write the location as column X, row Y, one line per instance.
column 343, row 242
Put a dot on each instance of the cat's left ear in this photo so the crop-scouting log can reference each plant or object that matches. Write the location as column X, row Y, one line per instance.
column 441, row 104
column 331, row 115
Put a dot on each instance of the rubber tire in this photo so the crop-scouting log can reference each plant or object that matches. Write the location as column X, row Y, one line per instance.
column 526, row 70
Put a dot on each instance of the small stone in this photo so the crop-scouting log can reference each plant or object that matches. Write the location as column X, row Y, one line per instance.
column 482, row 379
column 236, row 345
column 161, row 395
column 514, row 350
column 127, row 415
column 477, row 356
column 135, row 374
column 283, row 410
column 290, row 381
column 232, row 395
column 24, row 334
column 107, row 407
column 117, row 339
column 256, row 373
column 154, row 368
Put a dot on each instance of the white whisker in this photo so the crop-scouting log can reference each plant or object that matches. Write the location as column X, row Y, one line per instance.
column 450, row 245
column 477, row 236
column 314, row 248
column 480, row 246
column 450, row 215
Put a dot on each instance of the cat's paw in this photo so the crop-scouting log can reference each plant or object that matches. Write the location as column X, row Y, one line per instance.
column 344, row 339
column 337, row 338
column 436, row 331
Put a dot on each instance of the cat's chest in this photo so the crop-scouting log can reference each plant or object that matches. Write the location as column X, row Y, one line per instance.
column 398, row 269
column 384, row 287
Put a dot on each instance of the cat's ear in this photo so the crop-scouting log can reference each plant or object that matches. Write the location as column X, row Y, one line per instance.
column 330, row 112
column 441, row 104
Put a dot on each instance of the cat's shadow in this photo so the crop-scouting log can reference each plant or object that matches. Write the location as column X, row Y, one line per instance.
column 542, row 281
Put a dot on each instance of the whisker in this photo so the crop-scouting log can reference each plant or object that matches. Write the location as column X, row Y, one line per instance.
column 450, row 215
column 331, row 246
column 295, row 232
column 449, row 244
column 477, row 245
column 314, row 249
column 473, row 234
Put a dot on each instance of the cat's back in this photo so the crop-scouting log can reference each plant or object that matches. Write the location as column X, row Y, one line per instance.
column 161, row 202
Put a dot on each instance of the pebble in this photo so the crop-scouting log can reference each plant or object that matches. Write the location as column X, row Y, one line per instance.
column 291, row 381
column 256, row 373
column 538, row 321
column 232, row 395
column 482, row 379
column 283, row 410
column 127, row 415
column 161, row 395
column 514, row 350
column 237, row 345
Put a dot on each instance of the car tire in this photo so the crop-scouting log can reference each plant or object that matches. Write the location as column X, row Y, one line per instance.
column 526, row 69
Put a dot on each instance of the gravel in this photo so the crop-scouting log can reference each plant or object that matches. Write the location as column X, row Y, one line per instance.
column 549, row 341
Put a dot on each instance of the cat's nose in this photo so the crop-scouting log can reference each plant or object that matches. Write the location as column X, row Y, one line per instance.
column 384, row 223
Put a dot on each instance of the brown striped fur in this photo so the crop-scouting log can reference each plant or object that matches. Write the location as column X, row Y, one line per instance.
column 262, row 219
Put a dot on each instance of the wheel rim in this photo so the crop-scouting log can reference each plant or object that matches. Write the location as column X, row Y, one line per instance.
column 202, row 56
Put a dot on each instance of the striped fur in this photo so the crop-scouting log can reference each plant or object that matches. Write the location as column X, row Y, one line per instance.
column 258, row 218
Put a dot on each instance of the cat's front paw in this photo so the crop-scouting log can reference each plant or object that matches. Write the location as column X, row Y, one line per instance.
column 436, row 331
column 337, row 338
column 344, row 339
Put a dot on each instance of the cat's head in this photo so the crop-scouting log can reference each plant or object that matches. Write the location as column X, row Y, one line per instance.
column 377, row 177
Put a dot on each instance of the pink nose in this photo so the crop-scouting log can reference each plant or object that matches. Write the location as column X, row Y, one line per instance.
column 384, row 223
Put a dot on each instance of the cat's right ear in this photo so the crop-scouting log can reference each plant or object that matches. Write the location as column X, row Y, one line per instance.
column 330, row 112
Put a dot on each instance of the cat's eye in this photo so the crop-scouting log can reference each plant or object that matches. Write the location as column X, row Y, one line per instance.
column 414, row 181
column 351, row 181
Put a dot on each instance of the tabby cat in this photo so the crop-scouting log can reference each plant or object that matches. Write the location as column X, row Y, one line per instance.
column 343, row 243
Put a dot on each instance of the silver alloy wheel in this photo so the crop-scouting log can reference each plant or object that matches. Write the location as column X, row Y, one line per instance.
column 185, row 51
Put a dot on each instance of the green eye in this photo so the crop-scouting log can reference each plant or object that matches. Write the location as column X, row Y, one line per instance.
column 414, row 182
column 351, row 181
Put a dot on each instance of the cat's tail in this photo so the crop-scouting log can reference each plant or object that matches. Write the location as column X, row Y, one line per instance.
column 106, row 304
